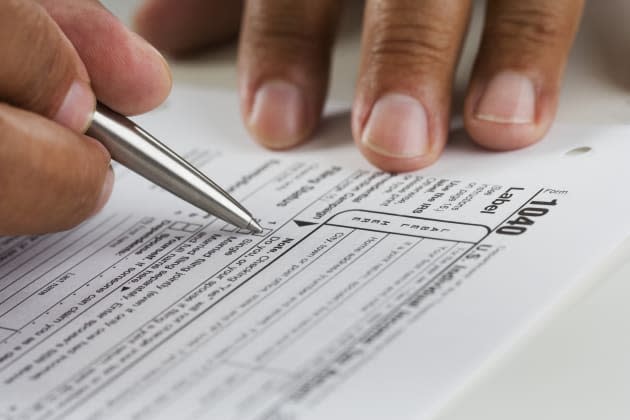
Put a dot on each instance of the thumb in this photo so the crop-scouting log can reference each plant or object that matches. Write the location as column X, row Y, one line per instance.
column 41, row 71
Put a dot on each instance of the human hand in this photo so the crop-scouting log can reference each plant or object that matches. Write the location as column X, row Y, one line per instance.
column 409, row 53
column 58, row 56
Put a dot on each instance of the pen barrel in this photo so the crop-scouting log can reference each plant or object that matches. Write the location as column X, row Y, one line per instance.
column 142, row 153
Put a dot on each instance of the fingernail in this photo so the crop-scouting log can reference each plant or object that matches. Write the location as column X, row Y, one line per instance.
column 106, row 191
column 77, row 107
column 397, row 128
column 278, row 116
column 509, row 98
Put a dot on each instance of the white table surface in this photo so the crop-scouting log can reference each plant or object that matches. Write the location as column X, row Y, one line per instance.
column 576, row 365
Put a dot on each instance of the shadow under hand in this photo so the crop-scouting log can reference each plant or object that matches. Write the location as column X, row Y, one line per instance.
column 333, row 133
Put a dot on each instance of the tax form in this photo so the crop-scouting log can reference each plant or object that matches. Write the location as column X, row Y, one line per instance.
column 367, row 296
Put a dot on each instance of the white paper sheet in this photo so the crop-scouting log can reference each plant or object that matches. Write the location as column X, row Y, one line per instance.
column 368, row 296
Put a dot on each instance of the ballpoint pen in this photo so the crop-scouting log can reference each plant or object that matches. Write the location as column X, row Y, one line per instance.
column 139, row 151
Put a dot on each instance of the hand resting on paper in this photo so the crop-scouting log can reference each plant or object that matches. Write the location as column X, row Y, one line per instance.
column 57, row 57
column 409, row 52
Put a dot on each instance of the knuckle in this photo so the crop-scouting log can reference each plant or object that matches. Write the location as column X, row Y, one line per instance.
column 537, row 25
column 289, row 32
column 420, row 45
column 286, row 39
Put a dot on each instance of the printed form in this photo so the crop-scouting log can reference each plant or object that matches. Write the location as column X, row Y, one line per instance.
column 368, row 295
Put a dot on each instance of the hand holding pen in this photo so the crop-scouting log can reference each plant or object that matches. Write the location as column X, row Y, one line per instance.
column 57, row 58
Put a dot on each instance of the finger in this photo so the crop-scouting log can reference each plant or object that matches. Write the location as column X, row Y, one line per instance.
column 41, row 71
column 513, row 93
column 50, row 177
column 127, row 73
column 180, row 26
column 284, row 60
column 410, row 49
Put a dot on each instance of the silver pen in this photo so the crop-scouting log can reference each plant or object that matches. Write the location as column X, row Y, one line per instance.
column 139, row 151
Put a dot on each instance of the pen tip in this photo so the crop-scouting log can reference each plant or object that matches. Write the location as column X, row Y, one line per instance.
column 254, row 227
